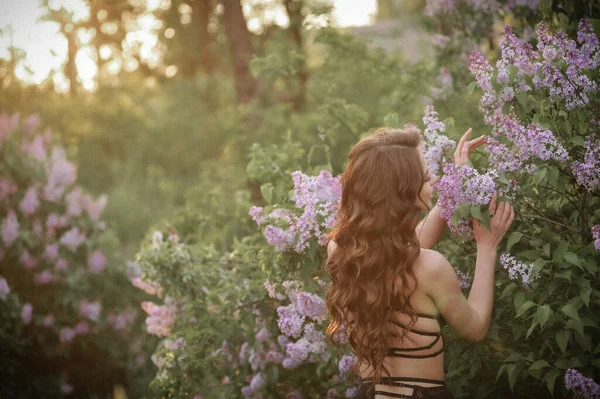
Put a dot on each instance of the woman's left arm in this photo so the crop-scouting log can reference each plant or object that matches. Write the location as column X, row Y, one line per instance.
column 430, row 229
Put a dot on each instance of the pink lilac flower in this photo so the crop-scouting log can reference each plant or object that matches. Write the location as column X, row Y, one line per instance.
column 95, row 208
column 121, row 320
column 517, row 270
column 43, row 278
column 151, row 288
column 48, row 320
column 31, row 124
column 35, row 148
column 61, row 264
column 82, row 328
column 6, row 189
column 242, row 353
column 596, row 235
column 294, row 395
column 72, row 239
column 161, row 318
column 272, row 291
column 4, row 289
column 582, row 387
column 97, row 261
column 10, row 228
column 27, row 313
column 298, row 350
column 51, row 252
column 255, row 214
column 90, row 310
column 67, row 334
column 61, row 174
column 28, row 261
column 75, row 202
column 30, row 202
column 346, row 364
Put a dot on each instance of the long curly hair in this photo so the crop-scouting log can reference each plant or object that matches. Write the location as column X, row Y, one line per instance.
column 376, row 243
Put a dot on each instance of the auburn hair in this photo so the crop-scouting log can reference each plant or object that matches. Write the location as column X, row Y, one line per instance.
column 376, row 243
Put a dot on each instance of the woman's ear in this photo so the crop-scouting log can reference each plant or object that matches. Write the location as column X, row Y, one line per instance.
column 330, row 248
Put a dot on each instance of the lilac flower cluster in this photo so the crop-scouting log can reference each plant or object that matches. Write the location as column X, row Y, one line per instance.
column 464, row 280
column 463, row 185
column 161, row 318
column 4, row 289
column 596, row 235
column 317, row 198
column 444, row 85
column 517, row 270
column 438, row 148
column 583, row 387
column 526, row 142
column 587, row 173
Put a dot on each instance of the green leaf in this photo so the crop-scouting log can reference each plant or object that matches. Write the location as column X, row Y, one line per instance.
column 585, row 296
column 501, row 370
column 471, row 88
column 518, row 300
column 546, row 249
column 575, row 324
column 513, row 238
column 542, row 314
column 511, row 370
column 525, row 307
column 550, row 379
column 570, row 311
column 562, row 339
column 538, row 365
column 572, row 258
column 476, row 212
column 564, row 274
column 267, row 192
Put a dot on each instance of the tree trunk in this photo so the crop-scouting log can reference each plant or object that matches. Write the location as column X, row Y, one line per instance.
column 294, row 11
column 202, row 10
column 240, row 46
column 70, row 66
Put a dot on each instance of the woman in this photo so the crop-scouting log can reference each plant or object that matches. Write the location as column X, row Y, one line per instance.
column 388, row 288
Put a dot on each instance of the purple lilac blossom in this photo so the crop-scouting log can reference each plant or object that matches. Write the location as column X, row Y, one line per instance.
column 517, row 270
column 66, row 335
column 4, row 289
column 90, row 310
column 464, row 280
column 30, row 202
column 10, row 228
column 311, row 305
column 263, row 335
column 97, row 261
column 161, row 318
column 42, row 278
column 438, row 148
column 346, row 364
column 317, row 200
column 274, row 357
column 587, row 173
column 27, row 313
column 351, row 392
column 463, row 185
column 290, row 321
column 596, row 235
column 583, row 387
column 72, row 239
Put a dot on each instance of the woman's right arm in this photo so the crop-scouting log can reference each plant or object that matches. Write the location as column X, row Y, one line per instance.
column 471, row 317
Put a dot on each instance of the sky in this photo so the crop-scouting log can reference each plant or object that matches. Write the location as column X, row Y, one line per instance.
column 46, row 48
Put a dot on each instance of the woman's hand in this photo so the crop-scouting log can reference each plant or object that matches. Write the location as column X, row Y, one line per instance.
column 465, row 148
column 502, row 217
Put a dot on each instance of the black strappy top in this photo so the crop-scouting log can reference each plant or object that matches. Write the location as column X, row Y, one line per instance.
column 399, row 352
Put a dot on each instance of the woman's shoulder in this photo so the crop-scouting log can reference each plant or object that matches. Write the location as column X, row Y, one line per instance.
column 432, row 263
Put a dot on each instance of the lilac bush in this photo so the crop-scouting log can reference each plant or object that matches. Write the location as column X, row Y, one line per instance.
column 54, row 256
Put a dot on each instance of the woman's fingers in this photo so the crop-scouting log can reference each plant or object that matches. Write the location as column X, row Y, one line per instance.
column 473, row 144
column 492, row 207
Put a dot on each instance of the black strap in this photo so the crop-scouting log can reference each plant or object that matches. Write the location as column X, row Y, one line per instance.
column 394, row 380
column 426, row 333
column 420, row 348
column 393, row 395
column 394, row 354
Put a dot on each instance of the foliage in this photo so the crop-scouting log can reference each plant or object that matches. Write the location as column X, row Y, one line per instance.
column 65, row 300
